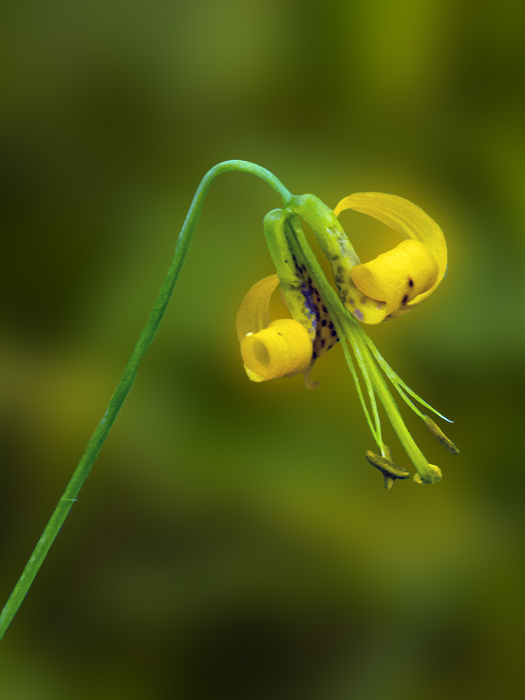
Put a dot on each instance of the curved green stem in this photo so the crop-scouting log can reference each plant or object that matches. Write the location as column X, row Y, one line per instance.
column 128, row 377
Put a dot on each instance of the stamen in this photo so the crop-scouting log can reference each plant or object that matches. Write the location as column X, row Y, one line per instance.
column 353, row 372
column 390, row 471
column 440, row 436
column 364, row 365
column 400, row 385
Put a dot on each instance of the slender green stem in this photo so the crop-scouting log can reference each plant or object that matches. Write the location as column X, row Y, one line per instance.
column 128, row 377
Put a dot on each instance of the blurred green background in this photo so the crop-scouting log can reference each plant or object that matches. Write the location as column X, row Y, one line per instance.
column 232, row 541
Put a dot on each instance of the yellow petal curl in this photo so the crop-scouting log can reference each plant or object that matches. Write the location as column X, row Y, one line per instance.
column 282, row 349
column 397, row 277
column 397, row 281
column 254, row 314
column 270, row 350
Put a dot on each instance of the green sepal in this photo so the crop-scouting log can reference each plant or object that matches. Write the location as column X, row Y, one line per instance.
column 284, row 256
column 331, row 237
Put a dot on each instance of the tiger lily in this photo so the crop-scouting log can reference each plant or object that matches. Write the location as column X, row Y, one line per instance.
column 385, row 288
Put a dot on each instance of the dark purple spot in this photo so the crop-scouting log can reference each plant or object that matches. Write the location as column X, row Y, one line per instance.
column 323, row 322
column 308, row 301
column 334, row 334
column 410, row 282
column 405, row 299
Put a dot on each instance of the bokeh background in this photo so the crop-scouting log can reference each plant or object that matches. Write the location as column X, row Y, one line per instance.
column 232, row 541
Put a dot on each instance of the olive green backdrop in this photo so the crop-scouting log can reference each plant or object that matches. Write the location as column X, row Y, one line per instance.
column 232, row 541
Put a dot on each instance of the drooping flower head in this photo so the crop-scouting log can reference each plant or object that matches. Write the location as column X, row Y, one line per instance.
column 385, row 288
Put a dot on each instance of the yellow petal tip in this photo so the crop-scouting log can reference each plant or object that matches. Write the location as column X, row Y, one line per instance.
column 282, row 349
column 403, row 277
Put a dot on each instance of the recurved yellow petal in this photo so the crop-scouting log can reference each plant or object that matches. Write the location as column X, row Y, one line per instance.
column 254, row 314
column 404, row 217
column 270, row 350
column 402, row 278
column 283, row 348
column 397, row 277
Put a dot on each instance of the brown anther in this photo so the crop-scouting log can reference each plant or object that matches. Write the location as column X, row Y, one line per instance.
column 440, row 436
column 386, row 466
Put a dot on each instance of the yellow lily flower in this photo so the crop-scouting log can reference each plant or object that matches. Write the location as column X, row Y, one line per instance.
column 387, row 287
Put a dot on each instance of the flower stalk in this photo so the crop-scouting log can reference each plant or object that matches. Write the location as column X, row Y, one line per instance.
column 146, row 337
